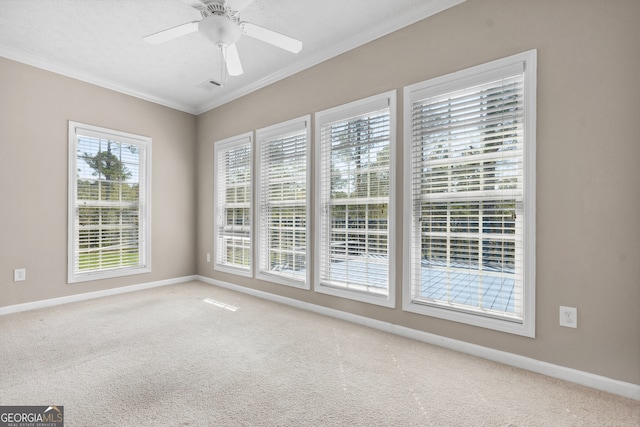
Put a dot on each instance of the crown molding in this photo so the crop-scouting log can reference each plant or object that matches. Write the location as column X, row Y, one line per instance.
column 34, row 61
column 393, row 24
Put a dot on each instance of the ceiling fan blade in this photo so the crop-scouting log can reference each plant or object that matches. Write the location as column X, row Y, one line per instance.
column 196, row 4
column 172, row 33
column 238, row 5
column 231, row 57
column 271, row 37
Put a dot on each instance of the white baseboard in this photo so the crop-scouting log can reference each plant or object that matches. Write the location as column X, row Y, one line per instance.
column 597, row 382
column 90, row 295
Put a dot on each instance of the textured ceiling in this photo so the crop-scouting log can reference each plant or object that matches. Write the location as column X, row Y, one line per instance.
column 100, row 41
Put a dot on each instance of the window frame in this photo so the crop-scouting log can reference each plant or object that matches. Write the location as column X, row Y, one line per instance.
column 480, row 74
column 264, row 136
column 218, row 148
column 76, row 130
column 345, row 111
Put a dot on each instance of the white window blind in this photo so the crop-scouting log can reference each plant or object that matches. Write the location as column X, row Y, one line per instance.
column 109, row 192
column 283, row 202
column 469, row 196
column 355, row 172
column 233, row 204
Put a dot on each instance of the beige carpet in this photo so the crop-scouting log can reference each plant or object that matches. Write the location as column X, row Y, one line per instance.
column 197, row 355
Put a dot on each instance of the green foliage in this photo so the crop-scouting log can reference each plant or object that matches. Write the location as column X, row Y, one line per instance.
column 105, row 259
column 108, row 212
column 107, row 165
column 360, row 160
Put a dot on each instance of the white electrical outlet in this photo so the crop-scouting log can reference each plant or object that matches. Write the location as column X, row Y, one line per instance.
column 208, row 257
column 568, row 317
column 19, row 274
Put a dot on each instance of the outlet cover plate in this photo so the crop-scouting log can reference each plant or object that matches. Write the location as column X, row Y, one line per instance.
column 568, row 317
column 19, row 274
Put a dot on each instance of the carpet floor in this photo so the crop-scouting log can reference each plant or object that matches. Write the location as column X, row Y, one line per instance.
column 197, row 355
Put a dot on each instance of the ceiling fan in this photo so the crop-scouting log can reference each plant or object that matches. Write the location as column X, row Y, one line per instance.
column 221, row 24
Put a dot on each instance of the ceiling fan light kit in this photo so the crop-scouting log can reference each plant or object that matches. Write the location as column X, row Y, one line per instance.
column 221, row 25
column 220, row 30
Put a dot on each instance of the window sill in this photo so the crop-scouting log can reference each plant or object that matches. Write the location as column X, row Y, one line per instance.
column 107, row 274
column 525, row 328
column 349, row 293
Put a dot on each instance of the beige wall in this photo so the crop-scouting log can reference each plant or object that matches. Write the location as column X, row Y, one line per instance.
column 35, row 106
column 588, row 148
column 588, row 235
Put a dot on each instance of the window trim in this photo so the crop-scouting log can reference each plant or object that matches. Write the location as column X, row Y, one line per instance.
column 144, row 203
column 528, row 62
column 361, row 106
column 218, row 146
column 296, row 125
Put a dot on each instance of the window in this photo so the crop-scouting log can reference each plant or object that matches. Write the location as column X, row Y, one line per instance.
column 109, row 203
column 354, row 231
column 470, row 181
column 283, row 202
column 232, row 221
